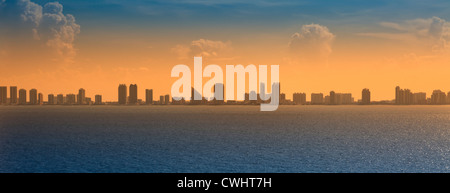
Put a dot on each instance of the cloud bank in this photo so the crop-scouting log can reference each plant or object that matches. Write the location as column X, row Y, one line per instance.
column 40, row 27
column 313, row 43
column 433, row 33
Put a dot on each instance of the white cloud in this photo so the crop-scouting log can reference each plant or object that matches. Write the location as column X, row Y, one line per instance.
column 30, row 12
column 58, row 30
column 430, row 32
column 46, row 26
column 313, row 43
column 202, row 47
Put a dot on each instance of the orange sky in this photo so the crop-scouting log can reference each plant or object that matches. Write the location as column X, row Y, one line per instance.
column 320, row 58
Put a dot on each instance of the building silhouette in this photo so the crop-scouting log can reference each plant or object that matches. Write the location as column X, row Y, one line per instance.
column 282, row 98
column 299, row 98
column 219, row 97
column 161, row 100
column 448, row 98
column 403, row 96
column 193, row 101
column 365, row 100
column 420, row 98
column 51, row 99
column 33, row 97
column 166, row 99
column 333, row 98
column 317, row 98
column 438, row 97
column 70, row 99
column 81, row 98
column 60, row 99
column 133, row 98
column 88, row 101
column 40, row 99
column 148, row 96
column 397, row 95
column 98, row 99
column 13, row 94
column 22, row 97
column 122, row 94
column 344, row 98
column 3, row 94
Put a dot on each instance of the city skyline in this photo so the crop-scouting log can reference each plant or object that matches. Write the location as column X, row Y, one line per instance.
column 402, row 97
column 357, row 44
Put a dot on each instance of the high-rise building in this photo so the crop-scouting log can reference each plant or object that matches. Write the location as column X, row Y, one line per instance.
column 33, row 97
column 365, row 96
column 448, row 98
column 166, row 99
column 22, row 97
column 81, row 96
column 420, row 98
column 219, row 95
column 51, row 99
column 299, row 98
column 3, row 94
column 397, row 95
column 403, row 96
column 13, row 94
column 438, row 97
column 326, row 100
column 60, row 99
column 88, row 101
column 344, row 99
column 40, row 99
column 408, row 97
column 122, row 94
column 282, row 98
column 70, row 99
column 161, row 100
column 98, row 99
column 193, row 93
column 148, row 96
column 133, row 98
column 316, row 98
column 333, row 100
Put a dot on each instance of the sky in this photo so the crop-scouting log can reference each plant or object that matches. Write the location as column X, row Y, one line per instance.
column 345, row 46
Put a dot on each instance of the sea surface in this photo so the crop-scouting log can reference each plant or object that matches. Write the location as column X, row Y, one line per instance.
column 224, row 139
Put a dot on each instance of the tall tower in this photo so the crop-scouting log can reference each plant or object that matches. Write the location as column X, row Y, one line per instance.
column 98, row 99
column 22, row 97
column 133, row 94
column 81, row 96
column 3, row 94
column 332, row 98
column 60, row 99
column 365, row 97
column 33, row 97
column 148, row 96
column 40, row 99
column 397, row 95
column 122, row 94
column 166, row 99
column 161, row 100
column 219, row 93
column 51, row 99
column 13, row 94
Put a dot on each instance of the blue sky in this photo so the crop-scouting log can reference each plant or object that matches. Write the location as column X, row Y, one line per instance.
column 204, row 13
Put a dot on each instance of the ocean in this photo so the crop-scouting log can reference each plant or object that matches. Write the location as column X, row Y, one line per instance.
column 168, row 139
